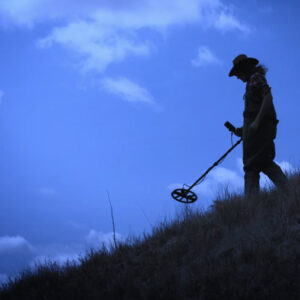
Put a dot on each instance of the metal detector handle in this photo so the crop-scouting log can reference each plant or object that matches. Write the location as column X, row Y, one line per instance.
column 230, row 127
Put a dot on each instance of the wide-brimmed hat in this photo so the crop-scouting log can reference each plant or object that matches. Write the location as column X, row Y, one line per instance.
column 242, row 61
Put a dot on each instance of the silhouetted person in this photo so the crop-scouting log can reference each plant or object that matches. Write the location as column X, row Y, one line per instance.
column 260, row 124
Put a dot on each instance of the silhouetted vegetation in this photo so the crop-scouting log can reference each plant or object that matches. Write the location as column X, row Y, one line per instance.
column 239, row 249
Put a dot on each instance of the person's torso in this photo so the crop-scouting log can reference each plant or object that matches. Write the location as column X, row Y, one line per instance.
column 256, row 88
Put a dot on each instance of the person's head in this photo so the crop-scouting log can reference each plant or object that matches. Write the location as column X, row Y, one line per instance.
column 243, row 67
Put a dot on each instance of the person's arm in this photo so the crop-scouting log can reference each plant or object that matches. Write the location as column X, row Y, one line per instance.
column 265, row 106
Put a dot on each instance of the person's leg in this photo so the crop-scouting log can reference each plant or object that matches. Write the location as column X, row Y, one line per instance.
column 274, row 172
column 251, row 182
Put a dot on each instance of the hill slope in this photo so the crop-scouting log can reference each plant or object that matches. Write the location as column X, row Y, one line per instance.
column 240, row 249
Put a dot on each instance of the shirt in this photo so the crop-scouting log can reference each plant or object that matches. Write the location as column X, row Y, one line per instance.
column 257, row 87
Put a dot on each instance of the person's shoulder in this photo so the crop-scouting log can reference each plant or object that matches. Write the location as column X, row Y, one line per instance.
column 257, row 78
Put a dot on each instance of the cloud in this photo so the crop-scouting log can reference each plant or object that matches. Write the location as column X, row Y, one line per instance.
column 31, row 12
column 286, row 167
column 226, row 22
column 60, row 259
column 264, row 180
column 205, row 57
column 101, row 33
column 10, row 244
column 96, row 239
column 218, row 179
column 95, row 44
column 63, row 253
column 127, row 90
column 19, row 12
column 89, row 28
column 18, row 254
column 145, row 12
column 15, row 253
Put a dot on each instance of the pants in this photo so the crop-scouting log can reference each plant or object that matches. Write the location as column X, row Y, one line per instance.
column 271, row 169
column 258, row 156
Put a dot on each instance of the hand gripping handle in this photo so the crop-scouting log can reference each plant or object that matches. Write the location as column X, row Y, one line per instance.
column 229, row 126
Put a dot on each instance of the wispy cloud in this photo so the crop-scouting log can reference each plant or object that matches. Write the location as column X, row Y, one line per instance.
column 96, row 239
column 226, row 21
column 14, row 243
column 102, row 33
column 15, row 252
column 97, row 44
column 218, row 179
column 60, row 259
column 90, row 29
column 264, row 180
column 205, row 57
column 18, row 253
column 159, row 13
column 286, row 167
column 72, row 253
column 214, row 183
column 127, row 90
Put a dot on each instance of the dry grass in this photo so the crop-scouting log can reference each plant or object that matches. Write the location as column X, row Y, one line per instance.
column 239, row 249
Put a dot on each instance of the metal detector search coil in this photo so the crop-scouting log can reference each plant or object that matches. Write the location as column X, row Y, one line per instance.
column 186, row 196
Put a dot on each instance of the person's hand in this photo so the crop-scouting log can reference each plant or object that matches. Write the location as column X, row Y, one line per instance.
column 239, row 132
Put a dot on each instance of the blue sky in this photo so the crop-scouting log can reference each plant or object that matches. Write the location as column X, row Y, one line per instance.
column 129, row 98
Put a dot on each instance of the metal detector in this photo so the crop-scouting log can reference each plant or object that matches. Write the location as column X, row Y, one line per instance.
column 186, row 196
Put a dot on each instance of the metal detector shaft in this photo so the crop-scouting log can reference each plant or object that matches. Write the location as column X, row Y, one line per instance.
column 186, row 195
column 215, row 164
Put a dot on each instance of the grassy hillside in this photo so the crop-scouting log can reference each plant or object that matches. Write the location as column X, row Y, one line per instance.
column 240, row 249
